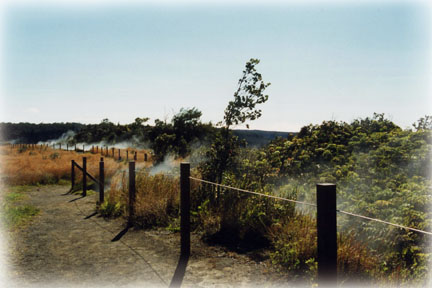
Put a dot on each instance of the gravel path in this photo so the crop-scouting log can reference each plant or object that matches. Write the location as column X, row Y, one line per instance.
column 68, row 245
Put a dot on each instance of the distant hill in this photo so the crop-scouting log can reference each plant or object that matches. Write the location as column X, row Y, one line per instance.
column 259, row 138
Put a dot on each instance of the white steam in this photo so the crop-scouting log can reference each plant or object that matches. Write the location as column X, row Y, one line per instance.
column 167, row 166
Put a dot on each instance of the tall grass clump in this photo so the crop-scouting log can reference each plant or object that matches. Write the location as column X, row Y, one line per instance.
column 157, row 198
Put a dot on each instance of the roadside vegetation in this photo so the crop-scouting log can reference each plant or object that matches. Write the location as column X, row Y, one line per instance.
column 14, row 213
column 381, row 171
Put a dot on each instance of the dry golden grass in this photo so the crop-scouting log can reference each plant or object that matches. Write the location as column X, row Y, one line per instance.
column 43, row 165
column 295, row 243
column 355, row 259
column 157, row 197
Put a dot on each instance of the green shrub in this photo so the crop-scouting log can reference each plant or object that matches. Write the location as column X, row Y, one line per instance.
column 110, row 209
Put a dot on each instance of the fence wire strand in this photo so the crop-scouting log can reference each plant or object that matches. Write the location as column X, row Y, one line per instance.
column 310, row 204
column 382, row 221
column 251, row 192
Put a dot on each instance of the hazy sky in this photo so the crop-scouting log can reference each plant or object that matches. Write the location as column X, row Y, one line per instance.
column 328, row 61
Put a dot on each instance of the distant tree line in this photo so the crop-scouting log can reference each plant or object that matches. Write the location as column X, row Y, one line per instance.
column 164, row 137
column 32, row 133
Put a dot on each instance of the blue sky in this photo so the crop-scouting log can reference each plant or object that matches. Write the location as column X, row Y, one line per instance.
column 337, row 61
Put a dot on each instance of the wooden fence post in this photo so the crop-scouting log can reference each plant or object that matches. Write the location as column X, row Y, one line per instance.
column 135, row 156
column 127, row 154
column 84, row 180
column 185, row 209
column 101, row 181
column 119, row 156
column 112, row 149
column 73, row 174
column 145, row 157
column 131, row 191
column 67, row 146
column 327, row 235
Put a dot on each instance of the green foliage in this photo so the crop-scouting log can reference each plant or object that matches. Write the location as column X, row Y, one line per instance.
column 176, row 137
column 424, row 123
column 14, row 216
column 110, row 209
column 14, row 213
column 250, row 92
column 164, row 138
column 33, row 133
column 224, row 148
column 380, row 170
column 295, row 244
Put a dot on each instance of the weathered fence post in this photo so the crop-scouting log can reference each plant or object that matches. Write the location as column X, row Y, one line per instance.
column 101, row 181
column 60, row 146
column 145, row 157
column 131, row 191
column 127, row 154
column 327, row 235
column 67, row 146
column 84, row 180
column 112, row 150
column 73, row 174
column 119, row 156
column 185, row 209
column 135, row 156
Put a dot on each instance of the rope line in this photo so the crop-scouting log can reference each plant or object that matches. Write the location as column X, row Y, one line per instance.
column 385, row 222
column 310, row 204
column 251, row 192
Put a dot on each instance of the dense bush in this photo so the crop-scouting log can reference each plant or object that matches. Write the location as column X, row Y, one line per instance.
column 380, row 170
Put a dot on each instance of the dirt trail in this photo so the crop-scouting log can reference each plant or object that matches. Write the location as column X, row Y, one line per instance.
column 68, row 245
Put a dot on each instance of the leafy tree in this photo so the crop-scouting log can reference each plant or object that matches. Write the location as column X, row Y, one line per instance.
column 250, row 92
column 221, row 156
column 176, row 136
column 424, row 123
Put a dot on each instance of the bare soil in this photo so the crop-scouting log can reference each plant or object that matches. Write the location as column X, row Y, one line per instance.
column 69, row 245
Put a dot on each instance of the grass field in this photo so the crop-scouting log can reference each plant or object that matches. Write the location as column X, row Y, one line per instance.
column 26, row 166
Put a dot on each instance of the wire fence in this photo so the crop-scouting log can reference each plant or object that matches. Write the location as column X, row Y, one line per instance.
column 171, row 174
column 311, row 204
column 251, row 192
